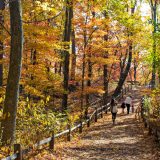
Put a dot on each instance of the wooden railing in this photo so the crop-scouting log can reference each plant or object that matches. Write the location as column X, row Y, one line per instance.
column 93, row 117
column 152, row 126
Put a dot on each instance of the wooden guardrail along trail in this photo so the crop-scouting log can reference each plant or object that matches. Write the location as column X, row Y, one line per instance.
column 93, row 117
column 152, row 129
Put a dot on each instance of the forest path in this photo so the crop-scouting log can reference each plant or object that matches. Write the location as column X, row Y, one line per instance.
column 127, row 140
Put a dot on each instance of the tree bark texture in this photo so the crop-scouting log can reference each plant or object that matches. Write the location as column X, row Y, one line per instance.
column 2, row 7
column 124, row 74
column 67, row 35
column 12, row 90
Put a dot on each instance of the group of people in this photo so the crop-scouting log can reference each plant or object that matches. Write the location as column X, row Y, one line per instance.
column 126, row 103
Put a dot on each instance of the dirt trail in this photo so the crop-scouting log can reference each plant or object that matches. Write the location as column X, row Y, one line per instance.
column 127, row 140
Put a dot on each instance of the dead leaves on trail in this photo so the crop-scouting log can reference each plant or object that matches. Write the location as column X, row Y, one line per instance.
column 127, row 140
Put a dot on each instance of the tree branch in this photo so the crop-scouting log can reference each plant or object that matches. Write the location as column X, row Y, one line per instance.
column 5, row 29
column 46, row 19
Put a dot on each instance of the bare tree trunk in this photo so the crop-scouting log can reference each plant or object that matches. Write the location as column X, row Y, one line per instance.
column 12, row 90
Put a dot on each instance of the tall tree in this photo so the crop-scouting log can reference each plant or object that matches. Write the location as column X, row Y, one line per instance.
column 2, row 7
column 12, row 90
column 105, row 67
column 66, row 40
column 153, row 4
column 73, row 58
column 125, row 71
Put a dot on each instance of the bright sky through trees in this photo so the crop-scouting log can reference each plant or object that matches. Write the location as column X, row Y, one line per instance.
column 145, row 9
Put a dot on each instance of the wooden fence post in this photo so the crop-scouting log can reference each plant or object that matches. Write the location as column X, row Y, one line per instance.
column 88, row 123
column 51, row 143
column 145, row 123
column 156, row 135
column 149, row 130
column 81, row 126
column 101, row 111
column 69, row 133
column 96, row 115
column 18, row 150
column 106, row 109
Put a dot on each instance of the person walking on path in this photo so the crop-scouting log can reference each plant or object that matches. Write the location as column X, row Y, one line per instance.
column 114, row 109
column 123, row 105
column 128, row 102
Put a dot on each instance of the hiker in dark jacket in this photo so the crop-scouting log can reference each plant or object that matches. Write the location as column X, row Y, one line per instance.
column 123, row 106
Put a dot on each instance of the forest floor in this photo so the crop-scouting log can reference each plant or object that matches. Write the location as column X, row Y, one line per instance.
column 126, row 140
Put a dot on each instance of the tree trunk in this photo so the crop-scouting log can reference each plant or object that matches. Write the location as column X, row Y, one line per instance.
column 33, row 56
column 105, row 78
column 153, row 81
column 60, row 68
column 105, row 81
column 88, row 83
column 1, row 63
column 105, row 72
column 159, row 76
column 2, row 7
column 67, row 35
column 12, row 90
column 73, row 60
column 135, row 70
column 154, row 18
column 33, row 60
column 130, row 75
column 82, row 83
column 105, row 67
column 55, row 68
column 124, row 74
column 83, row 70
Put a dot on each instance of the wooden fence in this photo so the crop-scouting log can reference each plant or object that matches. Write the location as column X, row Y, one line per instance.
column 153, row 128
column 93, row 117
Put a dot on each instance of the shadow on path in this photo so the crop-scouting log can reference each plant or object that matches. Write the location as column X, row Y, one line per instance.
column 127, row 140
